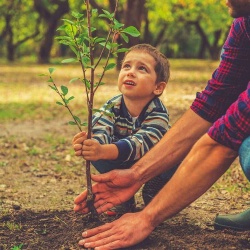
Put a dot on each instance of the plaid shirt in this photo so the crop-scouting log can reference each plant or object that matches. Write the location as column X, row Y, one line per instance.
column 225, row 100
column 133, row 137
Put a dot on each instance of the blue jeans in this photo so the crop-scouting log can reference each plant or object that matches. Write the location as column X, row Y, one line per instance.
column 244, row 155
column 104, row 166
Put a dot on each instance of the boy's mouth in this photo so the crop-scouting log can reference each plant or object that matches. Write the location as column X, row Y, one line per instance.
column 129, row 83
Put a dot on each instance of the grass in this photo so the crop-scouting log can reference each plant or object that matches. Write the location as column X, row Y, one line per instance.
column 26, row 96
column 19, row 247
column 13, row 226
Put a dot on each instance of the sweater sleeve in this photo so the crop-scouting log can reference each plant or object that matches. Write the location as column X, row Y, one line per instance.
column 232, row 128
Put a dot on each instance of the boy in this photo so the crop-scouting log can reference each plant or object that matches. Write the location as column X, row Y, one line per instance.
column 140, row 120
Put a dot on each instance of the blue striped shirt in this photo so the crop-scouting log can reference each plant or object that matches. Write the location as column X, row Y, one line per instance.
column 133, row 137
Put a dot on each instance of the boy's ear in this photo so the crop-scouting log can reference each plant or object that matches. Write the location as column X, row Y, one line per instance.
column 160, row 88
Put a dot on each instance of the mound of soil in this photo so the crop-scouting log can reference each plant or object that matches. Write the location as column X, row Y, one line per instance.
column 62, row 230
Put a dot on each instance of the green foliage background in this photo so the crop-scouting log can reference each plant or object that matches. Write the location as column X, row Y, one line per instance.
column 174, row 18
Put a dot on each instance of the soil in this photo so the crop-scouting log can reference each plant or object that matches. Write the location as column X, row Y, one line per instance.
column 40, row 177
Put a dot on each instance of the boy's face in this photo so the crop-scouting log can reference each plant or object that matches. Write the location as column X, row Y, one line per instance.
column 238, row 8
column 137, row 78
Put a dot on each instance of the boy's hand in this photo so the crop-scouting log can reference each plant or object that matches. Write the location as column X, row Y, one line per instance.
column 92, row 150
column 77, row 142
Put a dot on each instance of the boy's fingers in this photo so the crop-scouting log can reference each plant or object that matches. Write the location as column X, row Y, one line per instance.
column 79, row 135
column 77, row 147
column 88, row 142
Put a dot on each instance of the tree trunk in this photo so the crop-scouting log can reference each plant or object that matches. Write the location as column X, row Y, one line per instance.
column 133, row 16
column 52, row 20
column 214, row 50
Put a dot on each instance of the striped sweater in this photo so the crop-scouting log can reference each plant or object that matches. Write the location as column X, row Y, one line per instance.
column 133, row 137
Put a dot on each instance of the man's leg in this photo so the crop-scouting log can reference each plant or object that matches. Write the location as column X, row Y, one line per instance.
column 239, row 221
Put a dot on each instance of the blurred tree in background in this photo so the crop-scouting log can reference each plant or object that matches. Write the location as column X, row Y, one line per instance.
column 19, row 24
column 179, row 28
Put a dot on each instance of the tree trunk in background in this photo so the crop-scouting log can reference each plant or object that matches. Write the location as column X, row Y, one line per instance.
column 51, row 19
column 8, row 35
column 133, row 16
column 214, row 49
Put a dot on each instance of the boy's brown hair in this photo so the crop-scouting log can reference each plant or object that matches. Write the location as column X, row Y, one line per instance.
column 162, row 64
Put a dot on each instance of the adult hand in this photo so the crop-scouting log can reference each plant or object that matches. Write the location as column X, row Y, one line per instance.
column 111, row 189
column 77, row 142
column 128, row 230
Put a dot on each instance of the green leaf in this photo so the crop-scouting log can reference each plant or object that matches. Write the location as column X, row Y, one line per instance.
column 53, row 87
column 71, row 98
column 107, row 113
column 132, row 31
column 98, row 84
column 65, row 42
column 109, row 106
column 125, row 37
column 110, row 66
column 93, row 29
column 64, row 38
column 59, row 103
column 51, row 70
column 122, row 50
column 87, row 83
column 65, row 90
column 84, row 124
column 117, row 25
column 72, row 123
column 107, row 45
column 50, row 80
column 99, row 39
column 76, row 14
column 69, row 60
column 85, row 60
column 63, row 27
column 77, row 119
column 107, row 14
column 74, row 79
column 74, row 49
column 94, row 11
column 68, row 21
column 97, row 110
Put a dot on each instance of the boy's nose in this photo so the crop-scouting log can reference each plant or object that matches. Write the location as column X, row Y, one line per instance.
column 131, row 73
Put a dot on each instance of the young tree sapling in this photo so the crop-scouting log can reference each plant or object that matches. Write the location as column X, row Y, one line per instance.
column 79, row 36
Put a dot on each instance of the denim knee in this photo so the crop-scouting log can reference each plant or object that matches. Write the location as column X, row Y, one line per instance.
column 104, row 166
column 244, row 155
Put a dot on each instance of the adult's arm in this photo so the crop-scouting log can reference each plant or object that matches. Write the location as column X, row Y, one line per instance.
column 205, row 163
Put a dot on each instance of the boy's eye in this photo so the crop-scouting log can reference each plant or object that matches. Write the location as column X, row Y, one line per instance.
column 126, row 66
column 143, row 68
